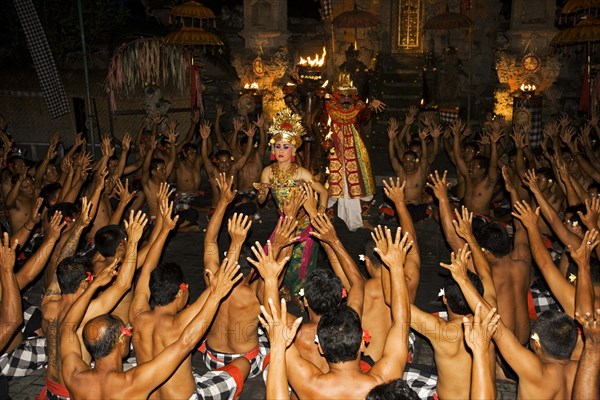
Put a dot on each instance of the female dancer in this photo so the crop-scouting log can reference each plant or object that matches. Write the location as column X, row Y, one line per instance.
column 283, row 177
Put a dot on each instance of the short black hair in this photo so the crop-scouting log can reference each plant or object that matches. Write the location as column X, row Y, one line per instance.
column 483, row 162
column 164, row 283
column 370, row 253
column 225, row 153
column 189, row 146
column 71, row 271
column 155, row 163
column 455, row 298
column 557, row 332
column 494, row 237
column 68, row 210
column 104, row 345
column 340, row 334
column 575, row 216
column 49, row 193
column 108, row 238
column 323, row 291
column 546, row 172
column 396, row 389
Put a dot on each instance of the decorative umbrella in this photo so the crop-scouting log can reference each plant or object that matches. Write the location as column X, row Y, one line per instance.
column 578, row 5
column 355, row 19
column 448, row 20
column 193, row 17
column 586, row 31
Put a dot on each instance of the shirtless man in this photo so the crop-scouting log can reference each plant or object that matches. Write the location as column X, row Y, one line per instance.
column 253, row 168
column 234, row 332
column 11, row 315
column 546, row 372
column 156, row 171
column 224, row 161
column 480, row 175
column 71, row 283
column 20, row 200
column 156, row 328
column 108, row 340
column 189, row 177
column 341, row 341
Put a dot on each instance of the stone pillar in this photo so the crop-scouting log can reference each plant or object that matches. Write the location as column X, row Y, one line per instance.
column 265, row 23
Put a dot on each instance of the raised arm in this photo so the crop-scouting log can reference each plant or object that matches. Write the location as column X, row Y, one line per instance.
column 495, row 135
column 141, row 295
column 170, row 164
column 147, row 376
column 456, row 128
column 586, row 385
column 325, row 232
column 478, row 334
column 269, row 269
column 395, row 351
column 125, row 146
column 239, row 163
column 584, row 294
column 440, row 190
column 205, row 133
column 50, row 154
column 549, row 213
column 148, row 161
column 36, row 263
column 11, row 315
column 462, row 225
column 262, row 145
column 560, row 287
column 70, row 346
column 395, row 192
column 211, row 247
column 392, row 132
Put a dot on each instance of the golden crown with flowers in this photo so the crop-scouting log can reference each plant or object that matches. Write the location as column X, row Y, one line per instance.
column 344, row 85
column 287, row 127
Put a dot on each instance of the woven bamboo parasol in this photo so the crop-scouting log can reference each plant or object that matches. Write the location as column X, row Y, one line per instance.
column 573, row 6
column 356, row 19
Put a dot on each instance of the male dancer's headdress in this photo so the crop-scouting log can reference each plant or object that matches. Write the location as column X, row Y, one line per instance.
column 344, row 85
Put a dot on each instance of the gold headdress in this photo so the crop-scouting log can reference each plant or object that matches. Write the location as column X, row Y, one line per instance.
column 287, row 127
column 344, row 85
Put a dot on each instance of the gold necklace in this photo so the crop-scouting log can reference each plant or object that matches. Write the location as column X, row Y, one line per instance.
column 284, row 178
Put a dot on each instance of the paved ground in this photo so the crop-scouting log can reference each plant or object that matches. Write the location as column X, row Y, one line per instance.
column 186, row 249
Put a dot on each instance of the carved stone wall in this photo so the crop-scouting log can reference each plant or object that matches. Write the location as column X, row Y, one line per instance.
column 265, row 23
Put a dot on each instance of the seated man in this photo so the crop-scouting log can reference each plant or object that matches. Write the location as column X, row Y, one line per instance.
column 341, row 341
column 107, row 340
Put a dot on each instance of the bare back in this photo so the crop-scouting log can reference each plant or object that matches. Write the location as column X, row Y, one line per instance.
column 376, row 318
column 557, row 382
column 235, row 327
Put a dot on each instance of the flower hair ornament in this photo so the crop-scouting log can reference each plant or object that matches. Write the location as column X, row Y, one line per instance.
column 366, row 336
column 125, row 331
column 89, row 277
column 183, row 288
column 344, row 293
column 286, row 127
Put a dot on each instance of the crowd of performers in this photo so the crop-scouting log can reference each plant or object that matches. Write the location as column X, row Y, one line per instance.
column 520, row 299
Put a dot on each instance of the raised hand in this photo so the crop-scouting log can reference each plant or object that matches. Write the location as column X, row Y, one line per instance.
column 311, row 204
column 591, row 326
column 323, row 229
column 195, row 118
column 172, row 136
column 378, row 236
column 164, row 192
column 458, row 263
column 436, row 132
column 219, row 110
column 266, row 264
column 238, row 227
column 378, row 105
column 392, row 129
column 463, row 223
column 479, row 331
column 84, row 217
column 507, row 181
column 411, row 115
column 518, row 136
column 551, row 129
column 397, row 249
column 157, row 118
column 582, row 254
column 107, row 274
column 8, row 253
column 276, row 324
column 251, row 131
column 423, row 133
column 592, row 215
column 126, row 142
column 564, row 121
column 123, row 193
column 55, row 226
column 593, row 121
column 567, row 135
column 260, row 121
column 530, row 180
column 225, row 187
column 165, row 209
column 457, row 127
column 293, row 203
column 224, row 279
column 238, row 125
column 439, row 185
column 524, row 213
column 495, row 135
column 284, row 233
column 135, row 226
column 394, row 190
column 36, row 217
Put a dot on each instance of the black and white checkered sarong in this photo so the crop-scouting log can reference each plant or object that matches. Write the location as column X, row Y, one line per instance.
column 422, row 380
column 214, row 385
column 29, row 356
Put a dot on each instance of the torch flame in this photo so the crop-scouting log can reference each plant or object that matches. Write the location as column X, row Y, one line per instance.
column 254, row 85
column 314, row 62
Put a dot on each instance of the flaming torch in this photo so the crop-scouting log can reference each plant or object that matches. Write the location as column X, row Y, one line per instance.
column 310, row 69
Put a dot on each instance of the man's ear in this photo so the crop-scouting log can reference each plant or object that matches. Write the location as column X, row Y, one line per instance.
column 321, row 352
